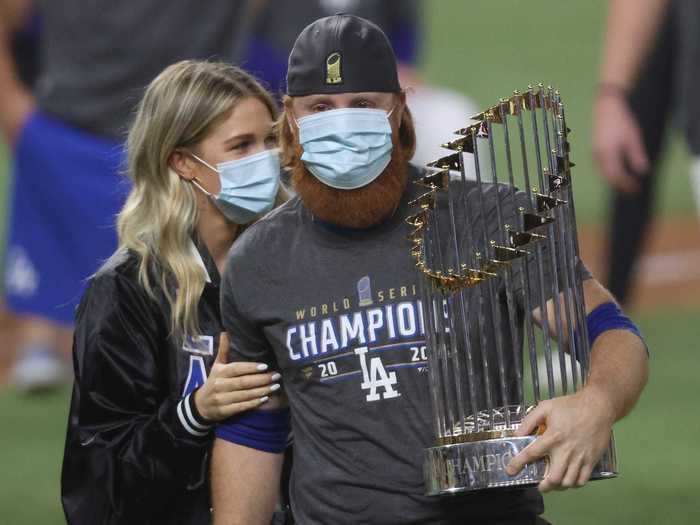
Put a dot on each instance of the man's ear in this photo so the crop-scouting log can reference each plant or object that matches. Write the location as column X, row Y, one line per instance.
column 402, row 97
column 290, row 121
column 182, row 164
column 399, row 107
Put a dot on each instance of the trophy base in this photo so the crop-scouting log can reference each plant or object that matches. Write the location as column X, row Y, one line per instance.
column 478, row 465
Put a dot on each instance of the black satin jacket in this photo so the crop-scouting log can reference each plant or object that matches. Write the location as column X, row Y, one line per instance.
column 136, row 450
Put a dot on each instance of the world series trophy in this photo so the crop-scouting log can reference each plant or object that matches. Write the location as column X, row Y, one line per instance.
column 495, row 253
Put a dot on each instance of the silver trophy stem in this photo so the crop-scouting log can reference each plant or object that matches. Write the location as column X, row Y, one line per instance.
column 578, row 345
column 454, row 359
column 567, row 262
column 569, row 276
column 471, row 376
column 443, row 354
column 566, row 233
column 438, row 422
column 530, row 332
column 554, row 267
column 467, row 339
column 539, row 257
column 495, row 313
column 432, row 339
column 581, row 349
column 485, row 365
column 529, row 323
column 512, row 310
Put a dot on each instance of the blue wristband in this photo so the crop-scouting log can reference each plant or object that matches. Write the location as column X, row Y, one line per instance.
column 266, row 430
column 608, row 316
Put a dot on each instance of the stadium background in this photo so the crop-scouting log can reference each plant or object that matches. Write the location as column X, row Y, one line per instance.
column 485, row 49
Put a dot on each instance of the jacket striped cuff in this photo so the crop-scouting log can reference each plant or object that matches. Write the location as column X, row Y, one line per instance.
column 190, row 418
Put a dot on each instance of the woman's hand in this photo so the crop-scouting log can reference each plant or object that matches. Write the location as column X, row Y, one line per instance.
column 232, row 388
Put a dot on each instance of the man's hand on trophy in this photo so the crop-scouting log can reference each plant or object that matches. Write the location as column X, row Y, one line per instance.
column 575, row 436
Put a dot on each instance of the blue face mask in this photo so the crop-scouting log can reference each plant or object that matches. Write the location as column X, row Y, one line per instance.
column 248, row 186
column 346, row 148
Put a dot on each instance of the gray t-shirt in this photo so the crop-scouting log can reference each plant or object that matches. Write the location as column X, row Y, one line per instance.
column 97, row 56
column 338, row 313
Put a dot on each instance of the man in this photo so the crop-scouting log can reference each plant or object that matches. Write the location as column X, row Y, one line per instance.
column 650, row 71
column 325, row 289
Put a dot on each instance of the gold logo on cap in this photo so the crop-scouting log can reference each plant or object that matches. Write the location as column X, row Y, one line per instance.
column 333, row 73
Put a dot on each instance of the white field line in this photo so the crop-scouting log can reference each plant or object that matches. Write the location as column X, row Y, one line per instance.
column 670, row 268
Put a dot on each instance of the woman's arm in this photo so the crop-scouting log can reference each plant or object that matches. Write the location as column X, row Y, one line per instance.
column 130, row 415
column 127, row 419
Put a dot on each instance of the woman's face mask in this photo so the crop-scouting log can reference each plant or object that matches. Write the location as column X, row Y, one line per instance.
column 346, row 148
column 249, row 185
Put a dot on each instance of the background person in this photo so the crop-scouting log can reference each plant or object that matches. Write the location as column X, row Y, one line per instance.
column 650, row 71
column 67, row 140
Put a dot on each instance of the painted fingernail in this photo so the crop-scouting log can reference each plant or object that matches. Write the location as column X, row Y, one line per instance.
column 264, row 399
column 274, row 387
column 262, row 367
column 276, row 377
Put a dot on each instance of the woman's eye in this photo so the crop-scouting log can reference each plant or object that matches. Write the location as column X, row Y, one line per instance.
column 240, row 146
column 364, row 104
column 270, row 141
column 320, row 107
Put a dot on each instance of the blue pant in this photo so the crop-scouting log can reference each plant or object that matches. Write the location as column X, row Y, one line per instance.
column 67, row 192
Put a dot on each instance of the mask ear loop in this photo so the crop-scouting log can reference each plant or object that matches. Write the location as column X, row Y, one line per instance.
column 195, row 181
column 204, row 162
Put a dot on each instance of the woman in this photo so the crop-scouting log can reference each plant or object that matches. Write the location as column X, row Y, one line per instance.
column 148, row 381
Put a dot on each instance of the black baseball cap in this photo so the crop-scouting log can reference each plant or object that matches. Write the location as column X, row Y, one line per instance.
column 341, row 54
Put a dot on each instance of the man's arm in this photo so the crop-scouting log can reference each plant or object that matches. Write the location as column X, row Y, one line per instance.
column 245, row 482
column 577, row 426
column 16, row 102
column 619, row 361
column 247, row 458
column 617, row 142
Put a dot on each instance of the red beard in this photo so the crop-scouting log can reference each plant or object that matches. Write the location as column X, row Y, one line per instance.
column 360, row 208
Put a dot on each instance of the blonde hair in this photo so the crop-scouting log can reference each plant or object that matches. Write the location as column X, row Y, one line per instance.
column 179, row 109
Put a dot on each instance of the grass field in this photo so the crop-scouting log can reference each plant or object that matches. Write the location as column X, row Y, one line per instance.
column 485, row 49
